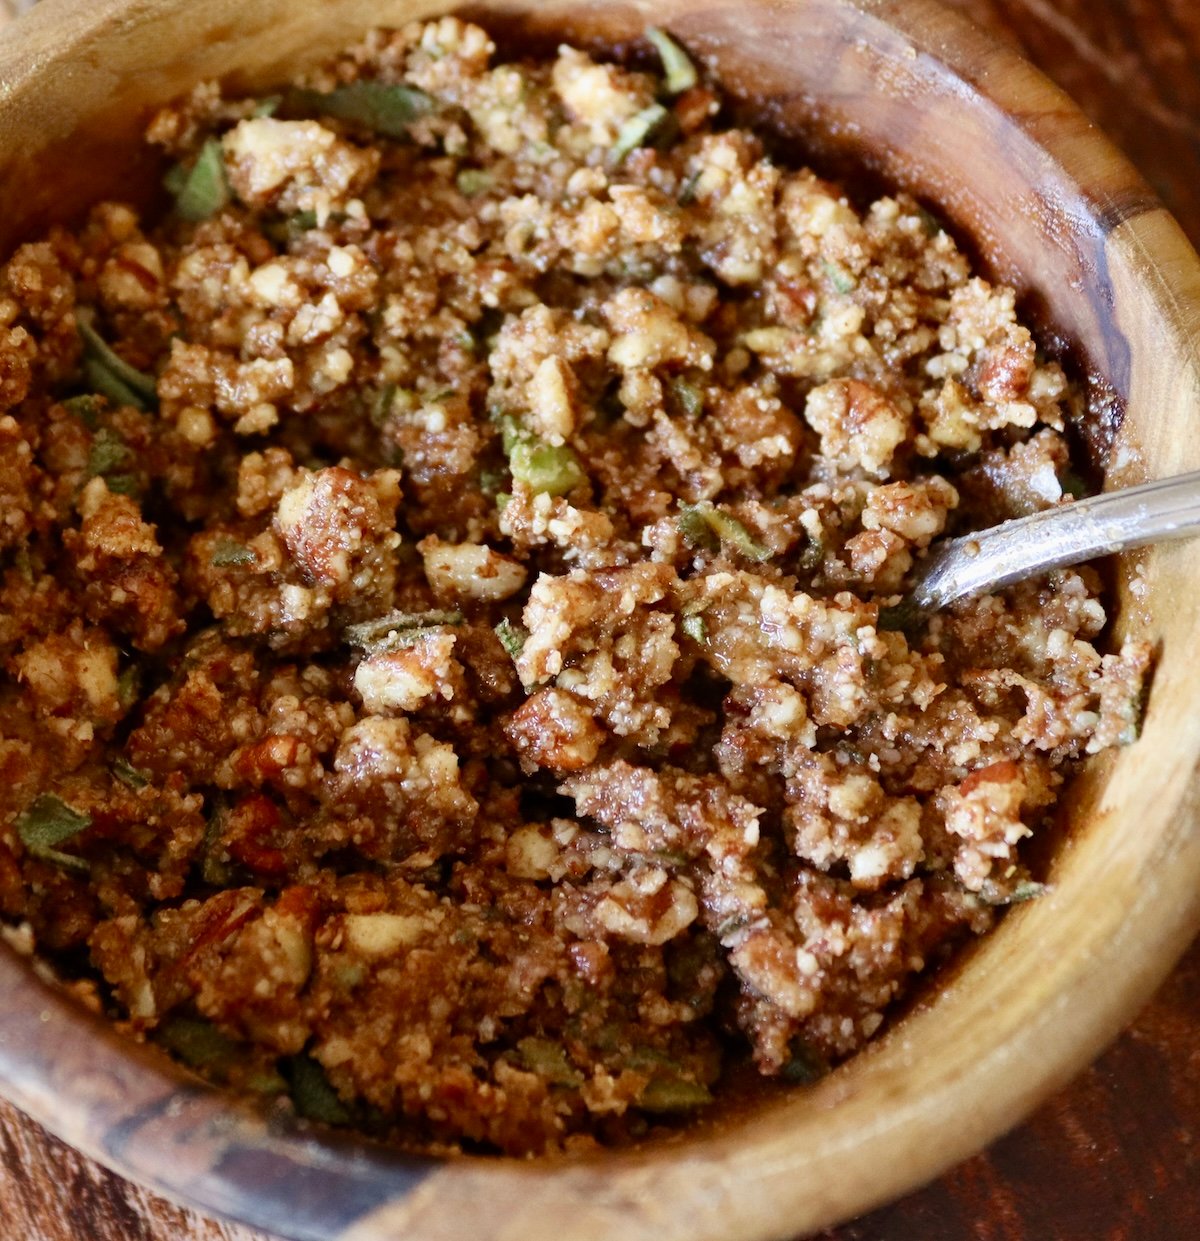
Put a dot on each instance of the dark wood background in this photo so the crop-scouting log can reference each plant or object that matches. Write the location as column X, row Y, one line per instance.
column 1115, row 1156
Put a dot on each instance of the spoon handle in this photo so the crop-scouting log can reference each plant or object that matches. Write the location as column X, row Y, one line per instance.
column 1065, row 535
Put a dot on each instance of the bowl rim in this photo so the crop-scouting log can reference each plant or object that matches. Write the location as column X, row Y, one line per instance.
column 296, row 1182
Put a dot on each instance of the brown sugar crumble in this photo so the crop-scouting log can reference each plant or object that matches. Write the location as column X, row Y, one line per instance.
column 443, row 556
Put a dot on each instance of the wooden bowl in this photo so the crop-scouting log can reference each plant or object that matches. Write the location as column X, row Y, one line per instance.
column 917, row 95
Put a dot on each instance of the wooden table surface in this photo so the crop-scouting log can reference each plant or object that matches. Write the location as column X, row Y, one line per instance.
column 1115, row 1156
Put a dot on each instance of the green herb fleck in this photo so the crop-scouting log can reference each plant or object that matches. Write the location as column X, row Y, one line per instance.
column 709, row 528
column 199, row 1044
column 812, row 557
column 174, row 178
column 214, row 867
column 122, row 484
column 929, row 222
column 383, row 107
column 109, row 452
column 108, row 373
column 676, row 1094
column 512, row 637
column 838, row 276
column 203, row 189
column 679, row 72
column 397, row 629
column 473, row 181
column 806, row 1065
column 86, row 408
column 129, row 683
column 1073, row 485
column 1134, row 713
column 1024, row 890
column 511, row 432
column 23, row 564
column 490, row 481
column 266, row 1081
column 694, row 627
column 548, row 1059
column 128, row 774
column 903, row 617
column 229, row 552
column 637, row 132
column 268, row 106
column 47, row 822
column 543, row 467
column 1027, row 890
column 314, row 1097
column 687, row 191
column 546, row 468
column 696, row 530
column 690, row 398
column 380, row 404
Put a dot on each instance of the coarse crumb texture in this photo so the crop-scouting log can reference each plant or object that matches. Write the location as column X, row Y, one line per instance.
column 443, row 560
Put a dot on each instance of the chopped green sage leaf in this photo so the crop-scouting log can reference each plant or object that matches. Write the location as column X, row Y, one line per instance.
column 694, row 627
column 109, row 452
column 1024, row 890
column 122, row 484
column 128, row 774
column 547, row 1058
column 48, row 821
column 690, row 398
column 314, row 1097
column 680, row 73
column 380, row 402
column 673, row 1095
column 109, row 374
column 543, row 467
column 203, row 189
column 902, row 617
column 839, row 277
column 129, row 683
column 397, row 629
column 199, row 1043
column 546, row 467
column 806, row 1065
column 709, row 528
column 929, row 222
column 86, row 408
column 383, row 107
column 637, row 131
column 512, row 637
column 229, row 552
column 472, row 181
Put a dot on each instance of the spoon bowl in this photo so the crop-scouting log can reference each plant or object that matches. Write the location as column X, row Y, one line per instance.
column 1068, row 534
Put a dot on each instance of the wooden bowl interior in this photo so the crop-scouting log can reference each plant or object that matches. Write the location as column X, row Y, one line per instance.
column 924, row 100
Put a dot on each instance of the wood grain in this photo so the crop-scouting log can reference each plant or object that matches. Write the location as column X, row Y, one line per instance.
column 1102, row 1160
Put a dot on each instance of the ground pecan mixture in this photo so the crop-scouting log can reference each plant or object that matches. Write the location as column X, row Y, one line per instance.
column 450, row 673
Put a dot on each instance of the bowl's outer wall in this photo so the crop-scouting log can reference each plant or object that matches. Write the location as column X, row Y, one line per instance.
column 939, row 108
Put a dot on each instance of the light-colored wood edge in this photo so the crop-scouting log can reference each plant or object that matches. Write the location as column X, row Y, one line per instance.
column 1056, row 982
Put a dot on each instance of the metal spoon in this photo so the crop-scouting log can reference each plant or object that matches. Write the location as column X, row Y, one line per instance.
column 985, row 561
